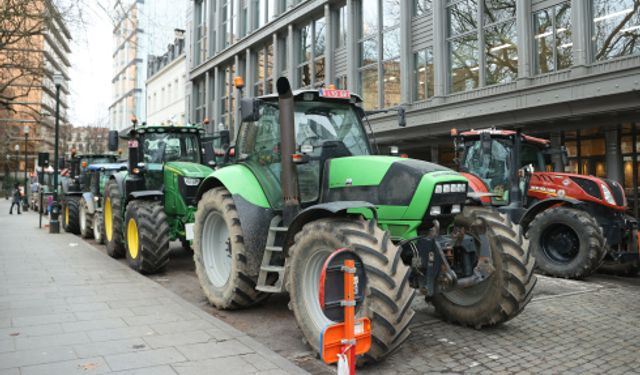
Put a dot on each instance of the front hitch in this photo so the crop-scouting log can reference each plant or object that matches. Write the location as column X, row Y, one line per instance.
column 430, row 257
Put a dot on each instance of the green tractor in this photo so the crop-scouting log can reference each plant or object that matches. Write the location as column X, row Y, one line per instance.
column 304, row 182
column 75, row 184
column 153, row 202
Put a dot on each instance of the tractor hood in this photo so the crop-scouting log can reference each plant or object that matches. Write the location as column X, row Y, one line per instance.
column 187, row 169
column 601, row 191
column 401, row 188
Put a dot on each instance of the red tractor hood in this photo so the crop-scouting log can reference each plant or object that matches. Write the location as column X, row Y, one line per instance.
column 545, row 185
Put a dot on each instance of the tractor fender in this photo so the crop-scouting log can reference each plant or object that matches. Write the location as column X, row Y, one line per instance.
column 320, row 211
column 146, row 194
column 538, row 207
column 91, row 207
column 238, row 180
column 119, row 178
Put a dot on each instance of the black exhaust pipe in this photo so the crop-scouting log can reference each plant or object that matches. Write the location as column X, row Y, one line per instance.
column 288, row 174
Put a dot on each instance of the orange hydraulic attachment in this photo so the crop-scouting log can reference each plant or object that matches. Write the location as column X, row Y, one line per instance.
column 352, row 337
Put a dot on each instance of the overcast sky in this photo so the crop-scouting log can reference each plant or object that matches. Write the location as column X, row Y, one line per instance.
column 91, row 68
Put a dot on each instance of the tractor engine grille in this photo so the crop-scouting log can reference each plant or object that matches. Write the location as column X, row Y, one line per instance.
column 588, row 186
column 616, row 190
column 187, row 192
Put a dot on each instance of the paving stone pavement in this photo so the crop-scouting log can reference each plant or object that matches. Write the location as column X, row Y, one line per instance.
column 66, row 308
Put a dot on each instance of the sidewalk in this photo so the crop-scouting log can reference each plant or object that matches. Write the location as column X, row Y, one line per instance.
column 66, row 308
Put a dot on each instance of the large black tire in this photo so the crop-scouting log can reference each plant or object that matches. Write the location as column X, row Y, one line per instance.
column 566, row 242
column 98, row 228
column 85, row 219
column 508, row 290
column 388, row 296
column 112, row 219
column 70, row 214
column 147, row 236
column 228, row 283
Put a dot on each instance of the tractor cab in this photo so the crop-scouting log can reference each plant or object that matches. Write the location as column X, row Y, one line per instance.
column 79, row 180
column 493, row 160
column 327, row 125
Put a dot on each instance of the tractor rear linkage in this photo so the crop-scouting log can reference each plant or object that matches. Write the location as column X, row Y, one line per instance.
column 429, row 257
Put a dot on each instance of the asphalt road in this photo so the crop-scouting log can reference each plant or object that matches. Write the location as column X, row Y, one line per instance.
column 570, row 326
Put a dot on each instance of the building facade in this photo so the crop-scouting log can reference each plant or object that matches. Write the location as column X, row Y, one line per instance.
column 41, row 49
column 165, row 85
column 568, row 70
column 143, row 28
column 86, row 140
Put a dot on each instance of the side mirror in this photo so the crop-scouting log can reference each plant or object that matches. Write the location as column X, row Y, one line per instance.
column 250, row 109
column 113, row 140
column 402, row 120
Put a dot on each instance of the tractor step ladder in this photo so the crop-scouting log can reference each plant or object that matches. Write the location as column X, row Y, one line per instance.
column 267, row 268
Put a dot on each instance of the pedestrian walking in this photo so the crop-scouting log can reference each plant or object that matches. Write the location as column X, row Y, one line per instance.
column 17, row 197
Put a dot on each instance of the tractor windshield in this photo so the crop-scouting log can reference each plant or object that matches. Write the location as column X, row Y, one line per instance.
column 165, row 147
column 323, row 130
column 492, row 167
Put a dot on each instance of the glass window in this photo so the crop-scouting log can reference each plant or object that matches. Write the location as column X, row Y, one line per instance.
column 423, row 82
column 616, row 28
column 501, row 53
column 553, row 39
column 164, row 147
column 342, row 25
column 379, row 46
column 201, row 34
column 465, row 68
column 311, row 65
column 422, row 7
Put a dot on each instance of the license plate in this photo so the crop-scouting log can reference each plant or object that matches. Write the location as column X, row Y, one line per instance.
column 188, row 231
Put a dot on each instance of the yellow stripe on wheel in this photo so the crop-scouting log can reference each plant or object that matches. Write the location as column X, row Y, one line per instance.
column 108, row 220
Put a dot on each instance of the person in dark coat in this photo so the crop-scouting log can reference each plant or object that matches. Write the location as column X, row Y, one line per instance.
column 17, row 197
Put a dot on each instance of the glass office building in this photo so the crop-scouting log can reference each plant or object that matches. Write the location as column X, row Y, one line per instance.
column 568, row 70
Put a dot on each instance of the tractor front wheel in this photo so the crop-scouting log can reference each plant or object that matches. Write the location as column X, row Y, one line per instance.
column 508, row 290
column 388, row 296
column 70, row 213
column 85, row 219
column 226, row 278
column 566, row 243
column 112, row 219
column 146, row 236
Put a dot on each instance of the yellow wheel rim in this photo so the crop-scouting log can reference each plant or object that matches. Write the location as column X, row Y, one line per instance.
column 108, row 219
column 66, row 215
column 132, row 238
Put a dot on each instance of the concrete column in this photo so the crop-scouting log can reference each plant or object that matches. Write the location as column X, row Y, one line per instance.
column 581, row 24
column 613, row 156
column 434, row 153
column 440, row 58
column 291, row 57
column 251, row 16
column 330, row 37
column 249, row 79
column 207, row 95
column 275, row 69
column 525, row 44
column 352, row 46
column 406, row 61
column 216, row 95
column 218, row 25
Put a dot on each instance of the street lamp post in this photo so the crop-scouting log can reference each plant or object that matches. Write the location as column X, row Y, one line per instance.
column 26, row 164
column 15, row 175
column 54, row 224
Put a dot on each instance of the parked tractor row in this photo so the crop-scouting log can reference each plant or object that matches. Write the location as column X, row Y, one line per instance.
column 302, row 179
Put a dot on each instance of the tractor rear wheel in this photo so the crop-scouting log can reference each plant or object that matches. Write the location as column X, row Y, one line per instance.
column 147, row 236
column 85, row 219
column 112, row 219
column 388, row 296
column 98, row 228
column 508, row 290
column 70, row 213
column 226, row 278
column 566, row 242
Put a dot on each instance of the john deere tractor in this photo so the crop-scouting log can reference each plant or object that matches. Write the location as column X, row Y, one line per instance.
column 153, row 202
column 573, row 222
column 77, row 183
column 304, row 182
column 90, row 204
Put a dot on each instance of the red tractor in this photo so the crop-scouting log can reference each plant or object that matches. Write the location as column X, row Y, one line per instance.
column 575, row 223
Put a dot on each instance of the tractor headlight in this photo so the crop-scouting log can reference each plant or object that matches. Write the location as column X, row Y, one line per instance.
column 446, row 188
column 455, row 209
column 439, row 189
column 435, row 211
column 189, row 181
column 607, row 194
